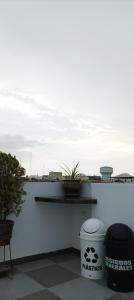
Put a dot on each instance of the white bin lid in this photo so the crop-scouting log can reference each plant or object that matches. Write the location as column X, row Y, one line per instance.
column 93, row 226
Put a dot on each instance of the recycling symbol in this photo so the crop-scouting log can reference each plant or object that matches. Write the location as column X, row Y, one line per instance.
column 90, row 255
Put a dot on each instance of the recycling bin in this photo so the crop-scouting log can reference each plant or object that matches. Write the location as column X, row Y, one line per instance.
column 119, row 257
column 92, row 236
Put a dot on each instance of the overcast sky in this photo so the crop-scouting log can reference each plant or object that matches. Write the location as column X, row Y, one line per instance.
column 67, row 84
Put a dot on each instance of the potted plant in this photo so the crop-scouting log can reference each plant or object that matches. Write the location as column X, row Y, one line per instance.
column 72, row 183
column 11, row 191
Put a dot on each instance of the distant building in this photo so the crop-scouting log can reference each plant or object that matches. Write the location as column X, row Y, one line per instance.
column 55, row 175
column 124, row 177
column 95, row 178
column 35, row 177
column 106, row 173
column 45, row 177
column 83, row 177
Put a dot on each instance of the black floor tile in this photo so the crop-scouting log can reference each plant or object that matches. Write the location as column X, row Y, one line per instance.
column 64, row 257
column 117, row 297
column 43, row 295
column 52, row 275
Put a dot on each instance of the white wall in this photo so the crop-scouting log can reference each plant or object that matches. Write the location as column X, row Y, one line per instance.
column 80, row 214
column 115, row 203
column 43, row 227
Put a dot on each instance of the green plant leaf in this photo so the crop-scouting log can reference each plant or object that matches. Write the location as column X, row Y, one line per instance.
column 71, row 174
column 11, row 185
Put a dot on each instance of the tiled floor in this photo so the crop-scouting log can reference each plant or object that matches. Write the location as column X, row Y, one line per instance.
column 57, row 278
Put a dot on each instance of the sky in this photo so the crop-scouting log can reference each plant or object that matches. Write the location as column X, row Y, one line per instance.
column 67, row 84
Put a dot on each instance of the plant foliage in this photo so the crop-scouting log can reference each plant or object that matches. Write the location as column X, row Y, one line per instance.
column 11, row 185
column 71, row 173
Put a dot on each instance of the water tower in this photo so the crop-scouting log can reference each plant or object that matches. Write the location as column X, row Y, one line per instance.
column 106, row 172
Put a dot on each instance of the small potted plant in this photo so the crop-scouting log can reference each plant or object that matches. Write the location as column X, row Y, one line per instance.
column 11, row 191
column 72, row 183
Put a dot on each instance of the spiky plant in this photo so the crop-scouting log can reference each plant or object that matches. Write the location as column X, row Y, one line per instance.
column 11, row 185
column 71, row 173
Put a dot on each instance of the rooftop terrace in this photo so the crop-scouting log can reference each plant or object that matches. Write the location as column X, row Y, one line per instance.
column 45, row 237
column 55, row 278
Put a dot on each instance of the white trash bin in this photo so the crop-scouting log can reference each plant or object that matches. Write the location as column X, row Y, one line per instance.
column 92, row 236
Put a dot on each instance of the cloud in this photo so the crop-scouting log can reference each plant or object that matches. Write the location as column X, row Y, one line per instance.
column 27, row 100
column 18, row 142
column 39, row 120
column 52, row 123
column 16, row 93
